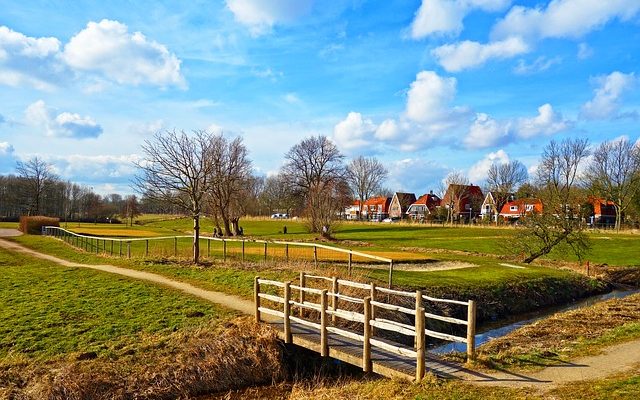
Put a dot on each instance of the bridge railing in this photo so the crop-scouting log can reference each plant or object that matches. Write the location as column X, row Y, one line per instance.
column 332, row 305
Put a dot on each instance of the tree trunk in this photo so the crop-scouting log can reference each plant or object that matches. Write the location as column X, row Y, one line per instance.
column 618, row 218
column 546, row 249
column 196, row 239
column 227, row 226
column 236, row 226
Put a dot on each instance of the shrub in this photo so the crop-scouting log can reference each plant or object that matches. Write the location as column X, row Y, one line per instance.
column 33, row 224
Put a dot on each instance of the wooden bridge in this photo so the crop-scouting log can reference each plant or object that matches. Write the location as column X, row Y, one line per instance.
column 360, row 328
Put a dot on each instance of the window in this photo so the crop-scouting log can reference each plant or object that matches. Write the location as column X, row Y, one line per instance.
column 513, row 208
column 529, row 207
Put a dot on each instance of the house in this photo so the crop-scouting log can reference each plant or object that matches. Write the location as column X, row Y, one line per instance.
column 352, row 211
column 491, row 206
column 521, row 207
column 425, row 205
column 376, row 208
column 400, row 203
column 604, row 211
column 463, row 200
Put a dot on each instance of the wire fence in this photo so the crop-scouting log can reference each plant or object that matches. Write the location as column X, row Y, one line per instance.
column 254, row 250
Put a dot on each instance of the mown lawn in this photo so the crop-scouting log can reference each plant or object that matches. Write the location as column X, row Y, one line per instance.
column 48, row 310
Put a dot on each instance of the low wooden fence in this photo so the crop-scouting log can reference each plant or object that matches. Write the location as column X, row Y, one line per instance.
column 329, row 304
column 238, row 248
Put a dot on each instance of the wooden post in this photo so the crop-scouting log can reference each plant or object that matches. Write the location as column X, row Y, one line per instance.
column 256, row 297
column 420, row 343
column 324, row 342
column 373, row 308
column 224, row 250
column 303, row 282
column 286, row 252
column 315, row 256
column 287, row 311
column 390, row 273
column 334, row 299
column 97, row 245
column 366, row 351
column 242, row 250
column 209, row 248
column 418, row 307
column 175, row 246
column 120, row 253
column 471, row 331
column 350, row 260
column 128, row 249
column 588, row 272
column 111, row 247
column 146, row 248
column 265, row 251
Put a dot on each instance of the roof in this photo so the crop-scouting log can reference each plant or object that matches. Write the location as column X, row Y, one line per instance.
column 429, row 200
column 598, row 203
column 521, row 204
column 405, row 199
column 376, row 201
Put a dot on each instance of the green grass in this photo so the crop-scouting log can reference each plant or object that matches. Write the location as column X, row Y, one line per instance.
column 48, row 310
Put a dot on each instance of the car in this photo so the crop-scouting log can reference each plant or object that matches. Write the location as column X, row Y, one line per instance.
column 387, row 220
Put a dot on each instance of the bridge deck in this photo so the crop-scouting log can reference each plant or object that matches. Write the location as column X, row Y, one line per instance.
column 350, row 351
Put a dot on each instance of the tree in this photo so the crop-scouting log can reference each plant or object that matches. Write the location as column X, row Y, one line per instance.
column 177, row 169
column 314, row 169
column 230, row 178
column 504, row 179
column 456, row 192
column 365, row 176
column 614, row 174
column 559, row 222
column 38, row 175
column 130, row 208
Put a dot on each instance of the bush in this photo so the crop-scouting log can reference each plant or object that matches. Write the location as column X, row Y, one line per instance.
column 32, row 225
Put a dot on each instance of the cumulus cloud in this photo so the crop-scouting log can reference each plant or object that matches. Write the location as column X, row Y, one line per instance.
column 445, row 16
column 486, row 132
column 563, row 18
column 107, row 47
column 606, row 102
column 387, row 130
column 354, row 132
column 478, row 171
column 28, row 61
column 65, row 124
column 7, row 158
column 6, row 148
column 417, row 175
column 260, row 16
column 547, row 122
column 468, row 54
column 428, row 97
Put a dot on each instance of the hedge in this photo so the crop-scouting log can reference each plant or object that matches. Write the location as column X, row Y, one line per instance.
column 33, row 224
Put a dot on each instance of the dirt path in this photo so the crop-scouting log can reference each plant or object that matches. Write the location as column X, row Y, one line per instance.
column 226, row 300
column 618, row 358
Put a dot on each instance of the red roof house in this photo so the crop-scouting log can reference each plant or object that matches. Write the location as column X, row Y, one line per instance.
column 425, row 205
column 521, row 207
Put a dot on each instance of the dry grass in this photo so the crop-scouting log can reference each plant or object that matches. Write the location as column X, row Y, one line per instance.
column 188, row 364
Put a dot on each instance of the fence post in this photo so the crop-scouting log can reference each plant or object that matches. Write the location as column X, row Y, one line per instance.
column 418, row 307
column 471, row 331
column 315, row 256
column 303, row 282
column 334, row 298
column 120, row 252
column 242, row 250
column 256, row 297
column 286, row 252
column 420, row 343
column 224, row 250
column 350, row 260
column 324, row 342
column 208, row 248
column 175, row 246
column 373, row 308
column 97, row 245
column 111, row 247
column 366, row 351
column 287, row 311
column 146, row 248
column 265, row 251
column 390, row 273
column 128, row 249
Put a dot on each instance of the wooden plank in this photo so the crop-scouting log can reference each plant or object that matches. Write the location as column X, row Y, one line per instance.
column 348, row 315
column 396, row 292
column 270, row 297
column 305, row 322
column 357, row 285
column 393, row 348
column 345, row 333
column 306, row 304
column 407, row 330
column 271, row 312
column 446, row 319
column 463, row 303
column 319, row 277
column 347, row 298
column 272, row 283
column 392, row 307
column 444, row 336
column 306, row 289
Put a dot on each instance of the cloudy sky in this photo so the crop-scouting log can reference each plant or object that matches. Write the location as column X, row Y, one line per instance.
column 426, row 86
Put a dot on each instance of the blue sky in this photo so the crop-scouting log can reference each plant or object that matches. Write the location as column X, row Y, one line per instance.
column 426, row 86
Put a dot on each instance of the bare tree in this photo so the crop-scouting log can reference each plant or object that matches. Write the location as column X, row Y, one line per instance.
column 314, row 167
column 230, row 177
column 614, row 173
column 504, row 179
column 38, row 175
column 456, row 191
column 177, row 169
column 277, row 194
column 559, row 223
column 130, row 208
column 365, row 176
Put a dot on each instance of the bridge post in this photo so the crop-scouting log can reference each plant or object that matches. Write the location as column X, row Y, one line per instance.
column 366, row 351
column 287, row 312
column 256, row 297
column 324, row 342
column 420, row 343
column 334, row 299
column 303, row 282
column 471, row 331
column 373, row 308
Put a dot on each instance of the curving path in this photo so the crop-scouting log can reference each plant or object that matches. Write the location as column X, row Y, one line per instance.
column 619, row 358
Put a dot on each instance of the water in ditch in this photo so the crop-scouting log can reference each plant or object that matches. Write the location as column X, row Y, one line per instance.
column 493, row 330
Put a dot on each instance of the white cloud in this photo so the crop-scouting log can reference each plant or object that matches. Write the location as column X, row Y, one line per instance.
column 584, row 51
column 540, row 64
column 65, row 124
column 467, row 54
column 387, row 130
column 486, row 132
column 445, row 16
column 563, row 18
column 6, row 148
column 429, row 96
column 416, row 175
column 7, row 158
column 292, row 98
column 109, row 49
column 214, row 128
column 608, row 95
column 354, row 132
column 260, row 15
column 547, row 122
column 478, row 171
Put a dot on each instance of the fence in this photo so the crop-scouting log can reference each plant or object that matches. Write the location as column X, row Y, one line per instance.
column 330, row 311
column 214, row 247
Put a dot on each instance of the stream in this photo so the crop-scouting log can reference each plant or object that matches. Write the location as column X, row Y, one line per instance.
column 493, row 330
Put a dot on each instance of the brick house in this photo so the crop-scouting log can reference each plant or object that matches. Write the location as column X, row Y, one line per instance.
column 400, row 203
column 425, row 205
column 464, row 200
column 519, row 208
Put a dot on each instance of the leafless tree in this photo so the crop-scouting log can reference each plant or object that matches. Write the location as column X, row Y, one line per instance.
column 314, row 167
column 230, row 176
column 456, row 191
column 614, row 174
column 177, row 169
column 559, row 223
column 277, row 194
column 38, row 175
column 130, row 208
column 365, row 176
column 504, row 179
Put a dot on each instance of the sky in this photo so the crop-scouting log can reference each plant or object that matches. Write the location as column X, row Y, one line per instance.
column 427, row 87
